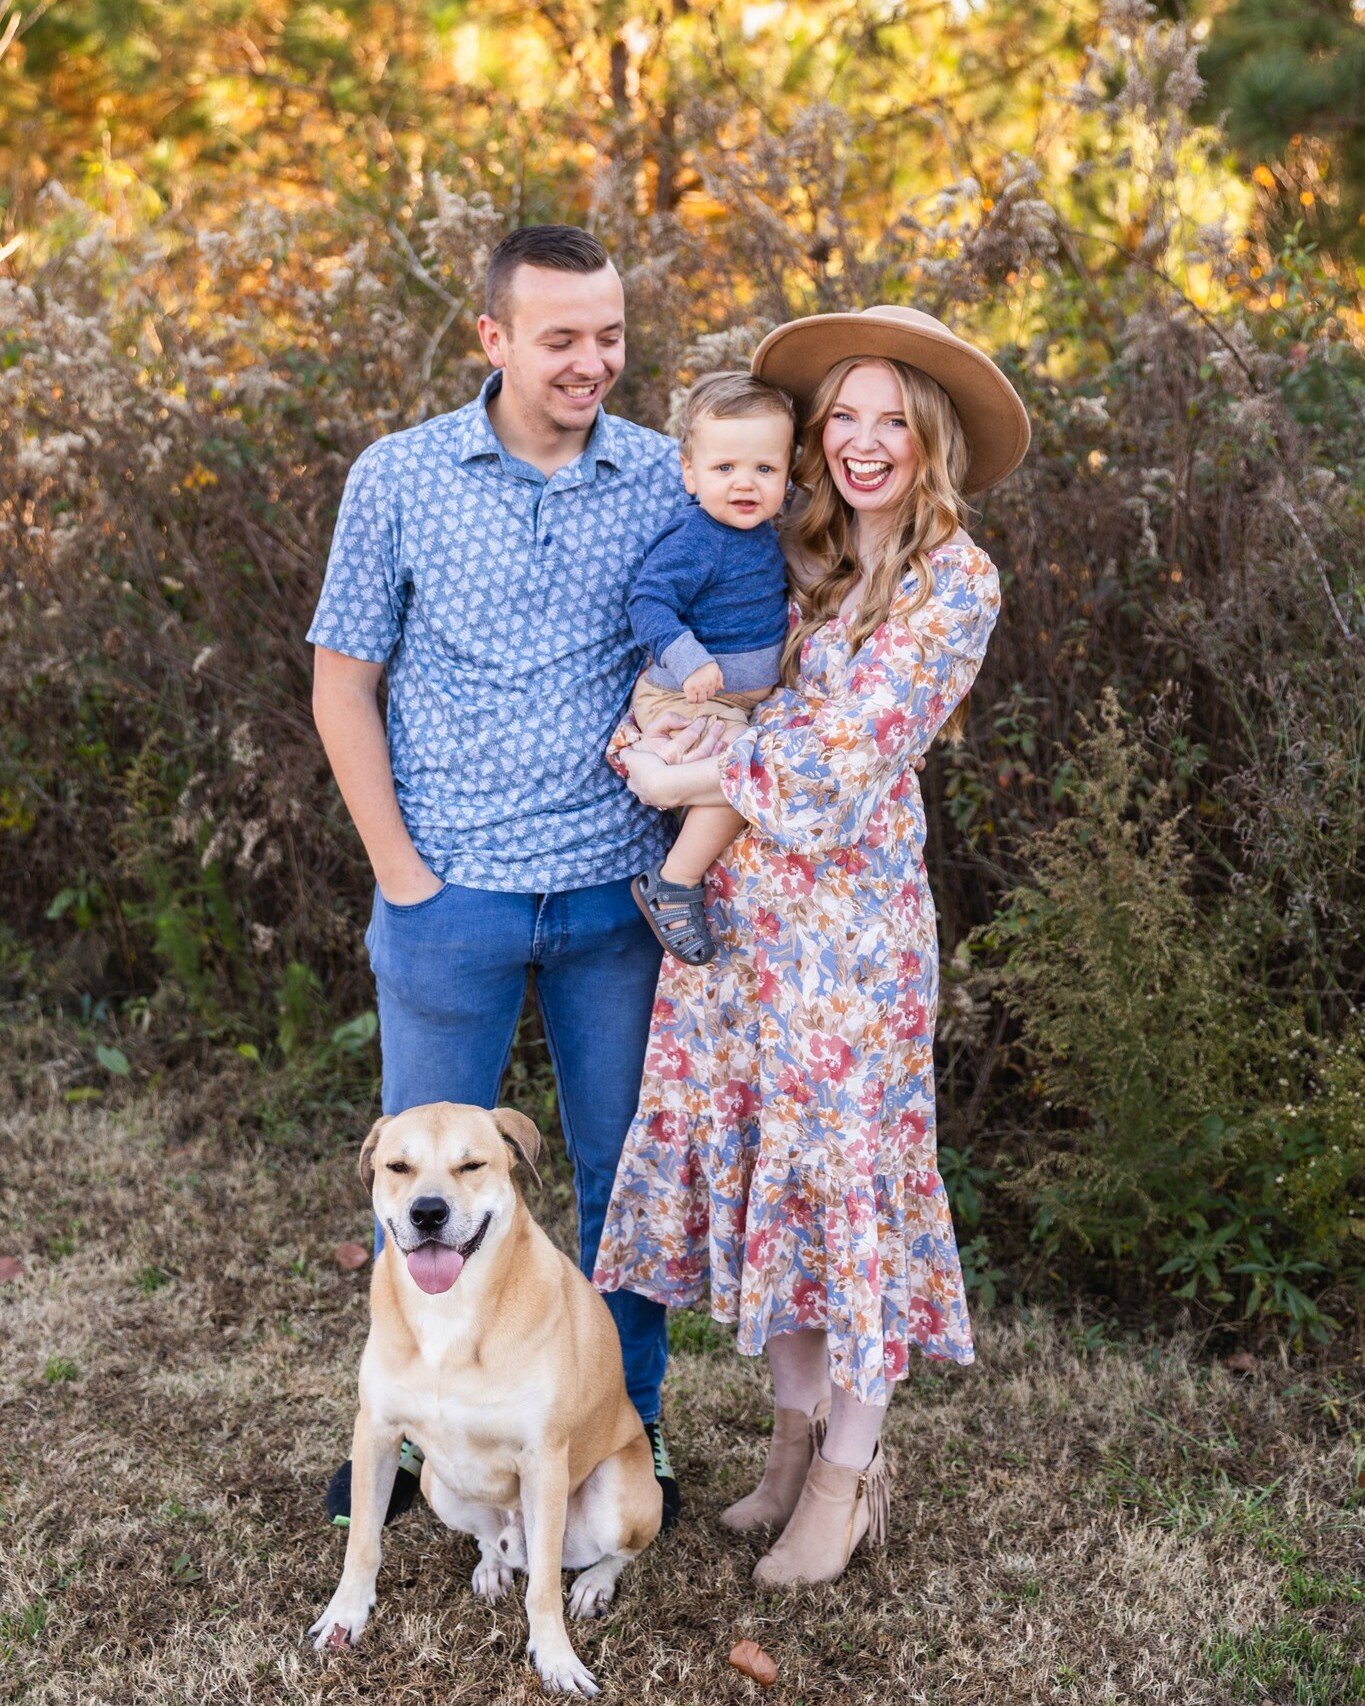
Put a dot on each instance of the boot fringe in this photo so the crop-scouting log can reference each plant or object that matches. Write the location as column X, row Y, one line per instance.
column 878, row 1501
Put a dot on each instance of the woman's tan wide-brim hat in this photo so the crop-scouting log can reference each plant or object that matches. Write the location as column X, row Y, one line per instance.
column 797, row 357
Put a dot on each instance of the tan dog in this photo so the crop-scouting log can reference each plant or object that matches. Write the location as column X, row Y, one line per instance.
column 491, row 1351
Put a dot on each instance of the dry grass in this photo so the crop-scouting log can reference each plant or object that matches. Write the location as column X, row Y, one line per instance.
column 1074, row 1519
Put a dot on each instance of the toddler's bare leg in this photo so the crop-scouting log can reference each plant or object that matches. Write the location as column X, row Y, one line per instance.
column 706, row 832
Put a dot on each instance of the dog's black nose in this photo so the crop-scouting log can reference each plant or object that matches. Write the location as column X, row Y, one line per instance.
column 429, row 1214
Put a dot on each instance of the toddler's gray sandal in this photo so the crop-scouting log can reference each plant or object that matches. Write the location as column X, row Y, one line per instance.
column 676, row 914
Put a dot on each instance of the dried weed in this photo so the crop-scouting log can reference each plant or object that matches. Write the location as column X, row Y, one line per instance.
column 1074, row 1519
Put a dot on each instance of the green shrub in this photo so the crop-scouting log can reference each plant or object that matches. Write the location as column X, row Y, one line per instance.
column 1191, row 1130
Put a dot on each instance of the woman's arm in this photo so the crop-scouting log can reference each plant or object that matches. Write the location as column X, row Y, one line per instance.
column 694, row 782
column 811, row 781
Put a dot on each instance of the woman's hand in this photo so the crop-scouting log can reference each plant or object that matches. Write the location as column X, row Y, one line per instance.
column 678, row 739
column 647, row 776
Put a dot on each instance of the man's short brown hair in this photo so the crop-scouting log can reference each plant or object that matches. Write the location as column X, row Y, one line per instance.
column 562, row 248
column 728, row 396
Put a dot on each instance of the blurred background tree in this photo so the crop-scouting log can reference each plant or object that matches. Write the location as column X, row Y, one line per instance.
column 1288, row 81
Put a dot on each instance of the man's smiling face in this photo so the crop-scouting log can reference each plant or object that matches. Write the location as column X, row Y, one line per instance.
column 561, row 345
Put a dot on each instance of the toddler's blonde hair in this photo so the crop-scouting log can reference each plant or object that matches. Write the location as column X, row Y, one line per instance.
column 728, row 396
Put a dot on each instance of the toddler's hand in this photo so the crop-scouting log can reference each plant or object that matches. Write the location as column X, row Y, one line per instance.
column 703, row 684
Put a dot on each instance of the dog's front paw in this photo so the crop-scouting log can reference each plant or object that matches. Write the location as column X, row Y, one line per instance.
column 491, row 1579
column 560, row 1670
column 343, row 1622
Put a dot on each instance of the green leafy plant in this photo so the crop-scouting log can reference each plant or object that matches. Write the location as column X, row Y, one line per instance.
column 1166, row 1066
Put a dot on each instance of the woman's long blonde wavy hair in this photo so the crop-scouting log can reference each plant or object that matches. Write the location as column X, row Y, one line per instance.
column 930, row 513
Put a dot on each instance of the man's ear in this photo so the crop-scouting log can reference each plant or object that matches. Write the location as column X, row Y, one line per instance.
column 494, row 337
column 521, row 1134
column 367, row 1151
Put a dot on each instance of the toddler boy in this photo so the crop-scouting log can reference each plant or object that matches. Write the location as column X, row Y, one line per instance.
column 709, row 605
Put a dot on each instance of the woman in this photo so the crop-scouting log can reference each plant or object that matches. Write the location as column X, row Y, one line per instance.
column 785, row 1139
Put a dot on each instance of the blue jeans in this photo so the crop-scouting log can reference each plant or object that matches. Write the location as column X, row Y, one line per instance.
column 451, row 973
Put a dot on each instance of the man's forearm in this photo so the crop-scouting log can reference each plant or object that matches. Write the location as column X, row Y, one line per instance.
column 346, row 711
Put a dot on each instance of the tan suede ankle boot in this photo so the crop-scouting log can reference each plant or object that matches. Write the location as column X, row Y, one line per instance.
column 796, row 1439
column 837, row 1507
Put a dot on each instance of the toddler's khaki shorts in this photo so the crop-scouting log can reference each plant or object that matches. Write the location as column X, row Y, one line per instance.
column 649, row 701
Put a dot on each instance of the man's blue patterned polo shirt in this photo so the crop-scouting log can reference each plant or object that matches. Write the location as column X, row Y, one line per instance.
column 497, row 599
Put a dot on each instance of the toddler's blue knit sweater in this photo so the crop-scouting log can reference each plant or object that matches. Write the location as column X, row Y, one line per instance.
column 710, row 593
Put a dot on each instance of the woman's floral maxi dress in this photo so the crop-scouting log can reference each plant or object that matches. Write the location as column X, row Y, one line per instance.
column 785, row 1140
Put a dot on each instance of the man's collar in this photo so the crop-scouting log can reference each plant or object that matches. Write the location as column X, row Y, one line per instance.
column 604, row 440
column 477, row 438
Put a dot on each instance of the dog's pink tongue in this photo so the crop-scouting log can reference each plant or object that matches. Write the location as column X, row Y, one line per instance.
column 435, row 1267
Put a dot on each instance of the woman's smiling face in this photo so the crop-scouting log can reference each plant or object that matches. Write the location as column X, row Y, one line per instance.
column 867, row 440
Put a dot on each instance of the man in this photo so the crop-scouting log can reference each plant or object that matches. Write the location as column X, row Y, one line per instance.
column 483, row 560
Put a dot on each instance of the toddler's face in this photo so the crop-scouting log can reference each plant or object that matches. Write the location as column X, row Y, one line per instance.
column 738, row 468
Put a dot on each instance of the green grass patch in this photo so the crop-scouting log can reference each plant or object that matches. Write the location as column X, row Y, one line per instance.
column 1206, row 1504
column 1306, row 1590
column 698, row 1335
column 26, row 1624
column 1291, row 1663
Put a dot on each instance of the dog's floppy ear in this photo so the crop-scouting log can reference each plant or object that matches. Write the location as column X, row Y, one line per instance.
column 521, row 1133
column 367, row 1151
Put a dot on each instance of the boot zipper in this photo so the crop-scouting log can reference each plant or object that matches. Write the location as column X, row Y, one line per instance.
column 852, row 1516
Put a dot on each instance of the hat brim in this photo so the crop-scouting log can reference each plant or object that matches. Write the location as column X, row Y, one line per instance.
column 995, row 423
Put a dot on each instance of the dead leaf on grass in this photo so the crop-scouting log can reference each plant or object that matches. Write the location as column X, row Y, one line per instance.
column 1240, row 1362
column 351, row 1257
column 750, row 1659
column 10, row 1268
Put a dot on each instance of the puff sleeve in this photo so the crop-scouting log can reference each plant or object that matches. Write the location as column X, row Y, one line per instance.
column 812, row 769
